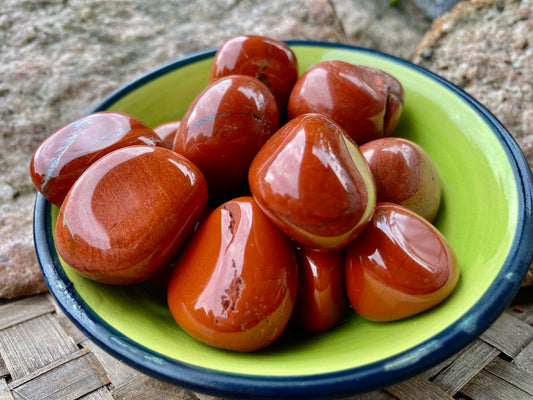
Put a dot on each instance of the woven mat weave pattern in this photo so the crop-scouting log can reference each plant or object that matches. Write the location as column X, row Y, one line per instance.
column 44, row 356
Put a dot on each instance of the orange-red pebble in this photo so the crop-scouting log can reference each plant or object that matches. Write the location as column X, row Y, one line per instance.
column 234, row 284
column 129, row 213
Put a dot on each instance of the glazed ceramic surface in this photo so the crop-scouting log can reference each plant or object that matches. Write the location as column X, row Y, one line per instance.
column 485, row 214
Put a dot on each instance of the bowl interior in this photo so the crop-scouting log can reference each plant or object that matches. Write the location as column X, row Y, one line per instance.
column 482, row 207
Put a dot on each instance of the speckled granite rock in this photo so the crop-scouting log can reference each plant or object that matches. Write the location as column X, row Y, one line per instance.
column 18, row 271
column 375, row 24
column 58, row 59
column 486, row 48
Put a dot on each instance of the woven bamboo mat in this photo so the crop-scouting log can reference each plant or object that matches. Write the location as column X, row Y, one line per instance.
column 44, row 356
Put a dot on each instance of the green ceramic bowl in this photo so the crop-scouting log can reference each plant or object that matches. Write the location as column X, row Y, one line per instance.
column 486, row 215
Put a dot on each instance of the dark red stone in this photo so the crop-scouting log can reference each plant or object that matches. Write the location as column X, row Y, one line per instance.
column 365, row 101
column 321, row 300
column 225, row 127
column 167, row 132
column 266, row 59
column 63, row 156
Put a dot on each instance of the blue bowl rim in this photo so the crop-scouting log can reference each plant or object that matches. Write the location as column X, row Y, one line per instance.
column 337, row 384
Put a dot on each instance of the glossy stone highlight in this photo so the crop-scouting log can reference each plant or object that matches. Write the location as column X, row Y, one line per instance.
column 321, row 301
column 224, row 127
column 129, row 213
column 405, row 174
column 365, row 101
column 63, row 156
column 268, row 60
column 313, row 182
column 399, row 266
column 167, row 132
column 234, row 285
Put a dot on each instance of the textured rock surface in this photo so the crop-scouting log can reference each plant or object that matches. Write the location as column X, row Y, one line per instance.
column 59, row 58
column 485, row 47
column 18, row 270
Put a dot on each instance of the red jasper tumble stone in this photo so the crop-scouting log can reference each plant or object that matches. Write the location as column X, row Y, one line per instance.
column 399, row 266
column 129, row 213
column 235, row 282
column 167, row 132
column 63, row 156
column 271, row 61
column 321, row 299
column 365, row 101
column 223, row 129
column 405, row 174
column 313, row 182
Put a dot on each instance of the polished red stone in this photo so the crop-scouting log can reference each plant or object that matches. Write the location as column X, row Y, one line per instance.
column 404, row 174
column 313, row 182
column 63, row 156
column 167, row 132
column 365, row 101
column 399, row 266
column 234, row 284
column 224, row 128
column 266, row 59
column 129, row 213
column 321, row 301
